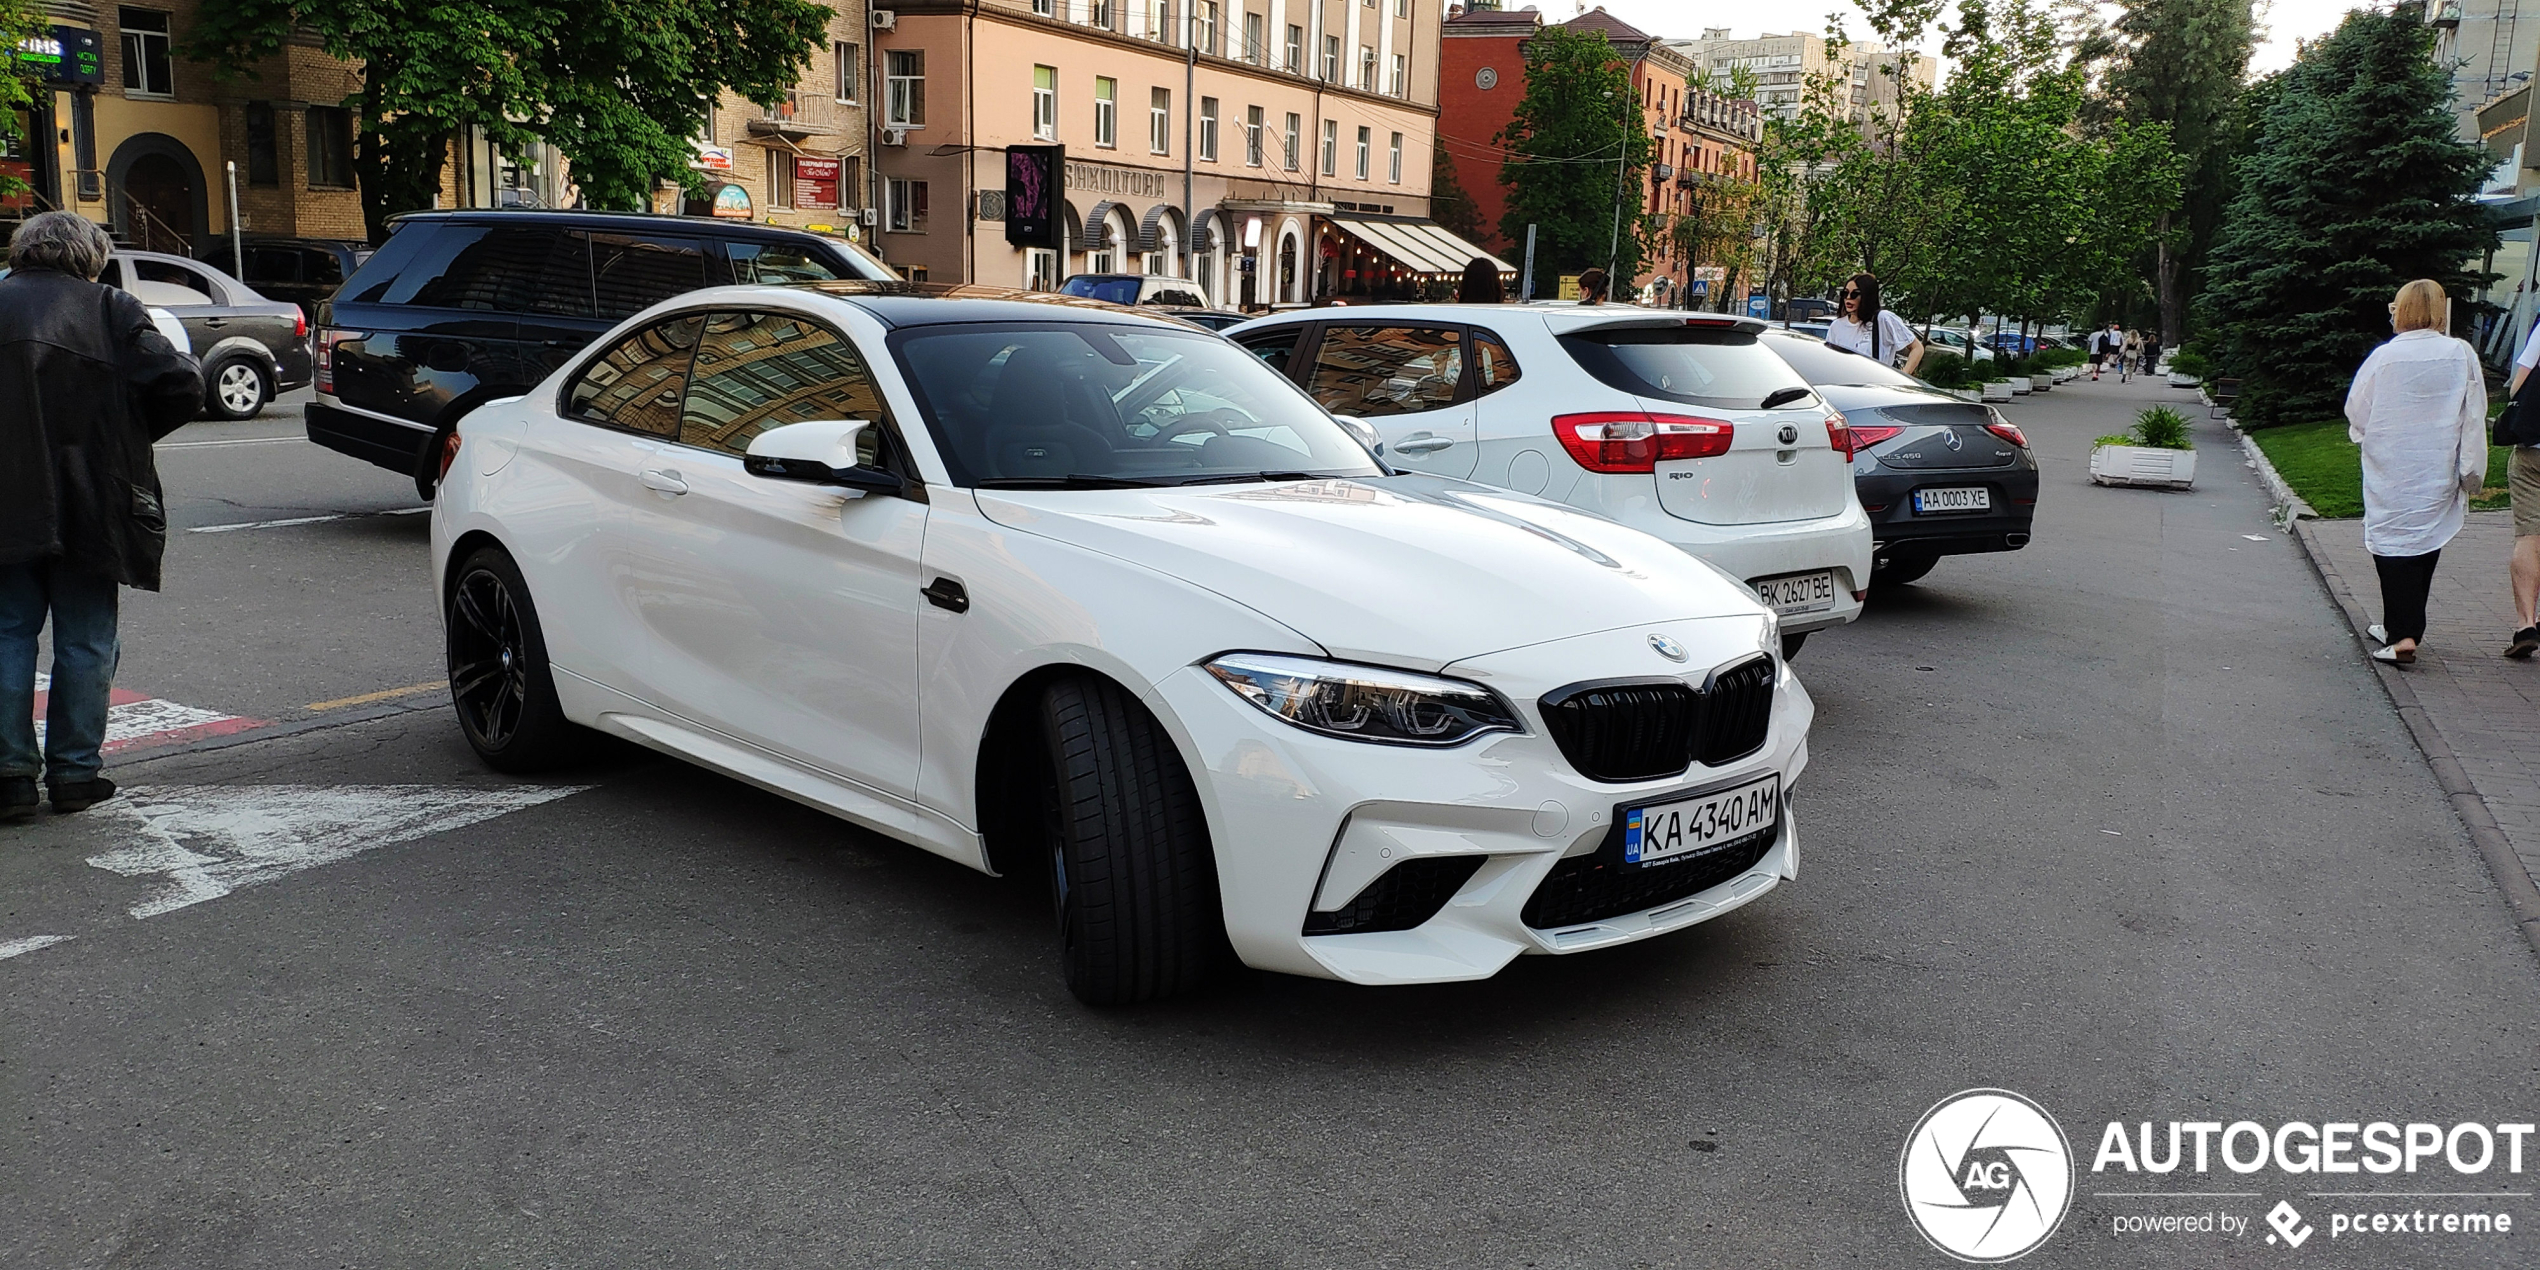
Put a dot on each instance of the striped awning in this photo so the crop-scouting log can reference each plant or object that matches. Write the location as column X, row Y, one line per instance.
column 1417, row 245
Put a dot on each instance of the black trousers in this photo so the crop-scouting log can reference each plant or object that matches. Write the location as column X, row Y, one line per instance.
column 2405, row 580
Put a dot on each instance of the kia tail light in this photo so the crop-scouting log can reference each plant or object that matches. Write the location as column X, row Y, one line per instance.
column 1839, row 435
column 1638, row 441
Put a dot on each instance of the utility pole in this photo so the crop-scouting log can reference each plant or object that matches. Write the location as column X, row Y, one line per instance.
column 1622, row 162
column 1526, row 285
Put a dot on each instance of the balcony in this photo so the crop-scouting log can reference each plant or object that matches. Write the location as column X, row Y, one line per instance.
column 800, row 114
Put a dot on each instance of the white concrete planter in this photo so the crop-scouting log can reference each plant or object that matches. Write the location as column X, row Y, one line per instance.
column 2143, row 466
column 2041, row 383
column 2019, row 385
column 2178, row 380
column 1998, row 390
column 2063, row 374
column 1965, row 394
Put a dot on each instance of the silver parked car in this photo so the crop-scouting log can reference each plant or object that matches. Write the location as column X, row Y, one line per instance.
column 252, row 348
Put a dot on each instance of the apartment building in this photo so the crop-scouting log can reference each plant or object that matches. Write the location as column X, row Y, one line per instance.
column 1274, row 152
column 1868, row 77
column 128, row 133
column 801, row 162
column 2489, row 49
column 1698, row 136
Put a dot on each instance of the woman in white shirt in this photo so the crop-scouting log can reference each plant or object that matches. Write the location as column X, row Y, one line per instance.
column 1863, row 327
column 2418, row 407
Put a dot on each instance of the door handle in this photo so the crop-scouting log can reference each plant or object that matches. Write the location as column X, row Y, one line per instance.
column 1422, row 445
column 216, row 323
column 944, row 593
column 662, row 482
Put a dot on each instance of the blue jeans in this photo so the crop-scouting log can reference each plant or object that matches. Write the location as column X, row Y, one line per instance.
column 84, row 655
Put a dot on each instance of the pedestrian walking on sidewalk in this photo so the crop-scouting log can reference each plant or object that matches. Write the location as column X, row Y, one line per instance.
column 2418, row 407
column 2132, row 352
column 2151, row 351
column 2522, row 477
column 2104, row 348
column 89, row 384
column 1862, row 326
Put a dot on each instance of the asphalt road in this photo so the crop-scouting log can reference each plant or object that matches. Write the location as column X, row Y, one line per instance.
column 2119, row 822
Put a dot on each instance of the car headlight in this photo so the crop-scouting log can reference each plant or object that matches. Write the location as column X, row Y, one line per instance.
column 1365, row 703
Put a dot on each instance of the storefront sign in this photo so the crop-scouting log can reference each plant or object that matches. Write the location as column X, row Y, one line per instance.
column 714, row 158
column 1032, row 193
column 65, row 55
column 732, row 203
column 815, row 182
column 1099, row 178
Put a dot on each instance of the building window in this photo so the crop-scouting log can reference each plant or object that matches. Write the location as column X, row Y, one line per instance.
column 1401, row 76
column 146, row 69
column 780, row 179
column 1366, row 69
column 904, row 205
column 1331, row 147
column 1252, row 136
column 1364, row 138
column 1160, row 121
column 1402, row 8
column 1207, row 15
column 1208, row 128
column 330, row 148
column 1256, row 45
column 264, row 158
column 1331, row 59
column 1393, row 159
column 904, row 92
column 1045, row 103
column 1296, row 50
column 1098, row 13
column 847, row 63
column 851, row 191
column 1106, row 112
column 1294, row 123
column 1040, row 269
column 1043, row 8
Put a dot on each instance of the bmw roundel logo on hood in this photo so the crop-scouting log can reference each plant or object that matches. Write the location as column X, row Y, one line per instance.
column 1667, row 647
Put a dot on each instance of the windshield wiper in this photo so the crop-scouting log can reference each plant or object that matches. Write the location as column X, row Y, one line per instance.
column 1230, row 478
column 1072, row 481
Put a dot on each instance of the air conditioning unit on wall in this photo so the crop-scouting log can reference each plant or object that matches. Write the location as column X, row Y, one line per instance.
column 884, row 19
column 868, row 216
column 895, row 136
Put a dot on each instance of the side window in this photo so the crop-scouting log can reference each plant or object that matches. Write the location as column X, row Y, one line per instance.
column 1493, row 368
column 164, row 283
column 272, row 264
column 471, row 267
column 774, row 263
column 757, row 371
column 321, row 268
column 1273, row 347
column 1374, row 371
column 562, row 285
column 636, row 385
column 632, row 272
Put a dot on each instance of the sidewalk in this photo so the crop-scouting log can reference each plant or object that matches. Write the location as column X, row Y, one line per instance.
column 2476, row 714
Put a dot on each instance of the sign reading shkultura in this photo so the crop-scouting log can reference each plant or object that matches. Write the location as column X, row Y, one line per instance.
column 1100, row 178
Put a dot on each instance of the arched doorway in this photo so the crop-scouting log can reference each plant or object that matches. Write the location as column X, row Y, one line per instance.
column 1289, row 290
column 155, row 196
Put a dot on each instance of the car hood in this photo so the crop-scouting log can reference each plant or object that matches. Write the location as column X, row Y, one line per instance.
column 1408, row 570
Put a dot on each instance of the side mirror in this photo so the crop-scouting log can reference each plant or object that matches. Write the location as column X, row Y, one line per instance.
column 1362, row 432
column 822, row 452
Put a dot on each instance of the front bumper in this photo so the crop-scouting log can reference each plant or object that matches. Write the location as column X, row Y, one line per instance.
column 1305, row 823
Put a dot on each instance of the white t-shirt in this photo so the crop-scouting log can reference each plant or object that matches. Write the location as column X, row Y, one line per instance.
column 1894, row 336
column 2530, row 350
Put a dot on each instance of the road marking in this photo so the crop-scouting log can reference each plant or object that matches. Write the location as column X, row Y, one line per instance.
column 204, row 445
column 385, row 694
column 20, row 947
column 204, row 841
column 134, row 721
column 305, row 520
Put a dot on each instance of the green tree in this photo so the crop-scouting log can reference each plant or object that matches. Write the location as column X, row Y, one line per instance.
column 2352, row 184
column 1449, row 205
column 619, row 86
column 2181, row 63
column 18, row 20
column 1579, row 156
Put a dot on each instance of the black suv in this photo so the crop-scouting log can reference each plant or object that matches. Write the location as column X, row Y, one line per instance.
column 459, row 308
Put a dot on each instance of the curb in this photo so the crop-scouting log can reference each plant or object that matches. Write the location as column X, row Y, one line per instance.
column 296, row 727
column 2285, row 505
column 2522, row 894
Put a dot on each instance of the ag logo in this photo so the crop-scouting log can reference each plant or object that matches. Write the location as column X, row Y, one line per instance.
column 1986, row 1175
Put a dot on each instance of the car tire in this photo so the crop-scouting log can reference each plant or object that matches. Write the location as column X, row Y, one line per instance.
column 499, row 678
column 1901, row 570
column 1132, row 874
column 236, row 388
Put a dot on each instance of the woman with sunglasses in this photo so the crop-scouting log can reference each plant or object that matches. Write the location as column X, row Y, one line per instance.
column 1861, row 326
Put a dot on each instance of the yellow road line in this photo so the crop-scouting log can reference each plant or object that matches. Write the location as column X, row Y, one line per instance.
column 385, row 695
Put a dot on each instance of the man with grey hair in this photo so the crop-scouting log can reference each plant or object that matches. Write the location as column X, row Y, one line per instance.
column 89, row 384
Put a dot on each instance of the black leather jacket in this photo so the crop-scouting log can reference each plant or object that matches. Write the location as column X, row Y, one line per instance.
column 87, row 383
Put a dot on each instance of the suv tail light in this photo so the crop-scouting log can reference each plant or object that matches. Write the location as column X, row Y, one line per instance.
column 327, row 338
column 1839, row 435
column 2008, row 431
column 1637, row 441
column 1865, row 435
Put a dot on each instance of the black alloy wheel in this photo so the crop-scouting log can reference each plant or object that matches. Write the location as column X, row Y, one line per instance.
column 499, row 680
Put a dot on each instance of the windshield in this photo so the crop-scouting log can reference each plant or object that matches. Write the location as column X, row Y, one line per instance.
column 1821, row 363
column 1703, row 366
column 1090, row 405
column 1098, row 287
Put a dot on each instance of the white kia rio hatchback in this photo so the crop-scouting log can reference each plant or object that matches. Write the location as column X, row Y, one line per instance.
column 1679, row 424
column 1063, row 590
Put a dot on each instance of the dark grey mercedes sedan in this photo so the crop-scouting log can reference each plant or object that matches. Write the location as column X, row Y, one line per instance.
column 1939, row 476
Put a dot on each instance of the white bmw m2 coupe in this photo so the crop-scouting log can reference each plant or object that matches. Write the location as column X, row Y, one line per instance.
column 1063, row 590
